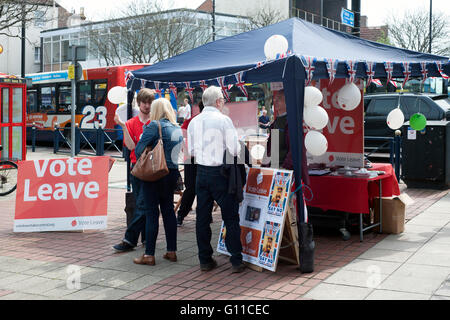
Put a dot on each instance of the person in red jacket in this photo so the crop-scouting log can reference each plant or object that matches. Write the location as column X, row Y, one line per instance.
column 132, row 131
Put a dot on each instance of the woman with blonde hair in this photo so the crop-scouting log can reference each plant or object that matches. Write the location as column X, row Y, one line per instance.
column 160, row 193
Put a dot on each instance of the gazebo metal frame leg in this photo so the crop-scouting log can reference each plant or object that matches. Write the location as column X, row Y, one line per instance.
column 361, row 229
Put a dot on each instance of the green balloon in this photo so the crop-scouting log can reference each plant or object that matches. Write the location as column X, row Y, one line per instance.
column 418, row 121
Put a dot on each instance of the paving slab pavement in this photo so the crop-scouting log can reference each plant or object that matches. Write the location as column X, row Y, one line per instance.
column 43, row 265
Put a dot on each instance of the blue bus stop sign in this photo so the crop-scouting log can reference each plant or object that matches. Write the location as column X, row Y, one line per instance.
column 348, row 17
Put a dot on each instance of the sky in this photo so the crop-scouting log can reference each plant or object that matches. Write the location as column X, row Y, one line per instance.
column 376, row 10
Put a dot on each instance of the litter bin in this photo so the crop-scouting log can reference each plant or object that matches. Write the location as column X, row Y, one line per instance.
column 426, row 156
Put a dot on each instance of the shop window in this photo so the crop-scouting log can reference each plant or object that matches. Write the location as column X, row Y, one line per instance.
column 37, row 54
column 39, row 18
column 56, row 53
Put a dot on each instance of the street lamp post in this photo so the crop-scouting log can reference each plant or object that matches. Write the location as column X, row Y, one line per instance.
column 431, row 25
column 214, row 20
column 22, row 67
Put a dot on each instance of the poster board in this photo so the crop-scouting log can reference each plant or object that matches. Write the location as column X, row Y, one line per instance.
column 345, row 129
column 62, row 194
column 243, row 114
column 262, row 216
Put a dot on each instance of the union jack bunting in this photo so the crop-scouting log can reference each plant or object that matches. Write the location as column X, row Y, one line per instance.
column 283, row 55
column 393, row 83
column 406, row 73
column 331, row 68
column 143, row 83
column 224, row 87
column 308, row 63
column 351, row 69
column 424, row 71
column 157, row 88
column 260, row 64
column 173, row 89
column 240, row 83
column 389, row 67
column 203, row 85
column 190, row 91
column 370, row 72
column 377, row 82
column 441, row 71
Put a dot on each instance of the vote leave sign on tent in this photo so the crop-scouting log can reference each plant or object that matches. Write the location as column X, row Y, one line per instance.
column 345, row 129
column 62, row 194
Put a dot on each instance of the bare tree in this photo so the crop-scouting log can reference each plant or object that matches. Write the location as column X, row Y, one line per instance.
column 105, row 44
column 412, row 31
column 15, row 12
column 263, row 18
column 145, row 33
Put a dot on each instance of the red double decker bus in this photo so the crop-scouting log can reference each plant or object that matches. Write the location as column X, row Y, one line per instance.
column 49, row 100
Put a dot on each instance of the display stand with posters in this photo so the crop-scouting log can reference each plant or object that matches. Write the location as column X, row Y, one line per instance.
column 263, row 217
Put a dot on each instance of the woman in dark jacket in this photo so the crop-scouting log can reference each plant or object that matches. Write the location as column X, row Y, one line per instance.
column 160, row 192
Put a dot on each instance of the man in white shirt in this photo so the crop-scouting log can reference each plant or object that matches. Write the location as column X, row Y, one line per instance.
column 210, row 134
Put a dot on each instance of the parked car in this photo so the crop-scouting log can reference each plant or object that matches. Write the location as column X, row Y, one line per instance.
column 378, row 106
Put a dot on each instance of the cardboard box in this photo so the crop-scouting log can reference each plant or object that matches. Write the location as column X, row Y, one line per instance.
column 393, row 213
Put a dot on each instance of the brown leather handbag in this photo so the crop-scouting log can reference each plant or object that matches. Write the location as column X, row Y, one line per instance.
column 151, row 165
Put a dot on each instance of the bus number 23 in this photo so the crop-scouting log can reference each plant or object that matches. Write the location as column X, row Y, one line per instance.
column 90, row 113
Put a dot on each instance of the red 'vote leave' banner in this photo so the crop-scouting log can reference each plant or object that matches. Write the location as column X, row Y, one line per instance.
column 62, row 194
column 345, row 129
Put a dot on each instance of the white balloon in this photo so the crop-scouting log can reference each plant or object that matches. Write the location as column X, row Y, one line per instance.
column 395, row 119
column 349, row 97
column 316, row 143
column 257, row 151
column 276, row 44
column 315, row 117
column 117, row 95
column 313, row 96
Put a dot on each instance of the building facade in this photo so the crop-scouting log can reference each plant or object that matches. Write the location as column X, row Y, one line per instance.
column 46, row 17
column 252, row 7
column 56, row 42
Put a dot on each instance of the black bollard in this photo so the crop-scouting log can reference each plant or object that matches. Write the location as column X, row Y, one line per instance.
column 33, row 138
column 307, row 246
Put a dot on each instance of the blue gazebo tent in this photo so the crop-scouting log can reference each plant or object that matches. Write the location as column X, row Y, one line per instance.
column 315, row 52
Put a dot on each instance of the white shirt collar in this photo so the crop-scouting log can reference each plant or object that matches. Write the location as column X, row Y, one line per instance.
column 210, row 109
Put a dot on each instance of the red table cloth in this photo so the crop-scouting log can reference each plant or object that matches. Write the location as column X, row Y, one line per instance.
column 350, row 194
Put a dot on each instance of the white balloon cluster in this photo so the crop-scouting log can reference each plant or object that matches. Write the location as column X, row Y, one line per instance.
column 316, row 118
column 276, row 44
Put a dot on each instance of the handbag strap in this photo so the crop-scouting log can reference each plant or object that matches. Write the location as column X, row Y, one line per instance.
column 160, row 132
